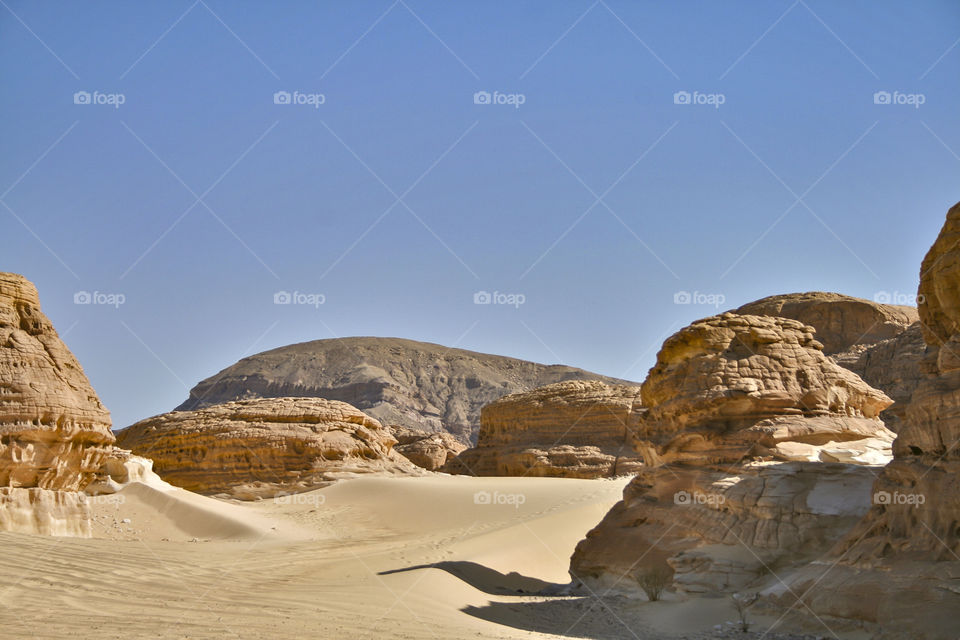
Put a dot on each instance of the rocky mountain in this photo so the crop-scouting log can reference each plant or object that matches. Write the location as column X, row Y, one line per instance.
column 573, row 429
column 413, row 384
column 54, row 431
column 757, row 448
column 264, row 447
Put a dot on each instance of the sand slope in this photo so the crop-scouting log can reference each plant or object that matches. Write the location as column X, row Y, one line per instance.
column 377, row 557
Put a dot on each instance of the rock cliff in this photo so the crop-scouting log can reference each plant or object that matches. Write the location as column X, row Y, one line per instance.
column 264, row 447
column 575, row 429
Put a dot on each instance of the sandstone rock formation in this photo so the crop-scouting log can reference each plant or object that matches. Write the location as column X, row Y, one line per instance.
column 899, row 567
column 573, row 429
column 264, row 447
column 841, row 321
column 879, row 342
column 758, row 450
column 54, row 432
column 413, row 384
column 425, row 449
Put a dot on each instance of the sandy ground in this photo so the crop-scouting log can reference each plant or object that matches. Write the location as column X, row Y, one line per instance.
column 433, row 557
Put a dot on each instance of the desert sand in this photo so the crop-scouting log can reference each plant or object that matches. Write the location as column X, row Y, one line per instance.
column 371, row 557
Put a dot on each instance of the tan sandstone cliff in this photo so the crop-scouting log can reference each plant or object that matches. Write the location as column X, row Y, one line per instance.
column 899, row 568
column 54, row 432
column 264, row 447
column 758, row 449
column 573, row 429
column 881, row 343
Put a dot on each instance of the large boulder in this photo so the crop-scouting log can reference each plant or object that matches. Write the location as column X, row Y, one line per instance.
column 573, row 429
column 759, row 451
column 429, row 450
column 412, row 384
column 899, row 567
column 265, row 447
column 881, row 343
column 841, row 321
column 54, row 431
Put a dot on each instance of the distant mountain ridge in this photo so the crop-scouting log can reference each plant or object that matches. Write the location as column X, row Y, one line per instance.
column 414, row 384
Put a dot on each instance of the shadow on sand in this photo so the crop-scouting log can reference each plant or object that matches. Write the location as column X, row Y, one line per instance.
column 556, row 613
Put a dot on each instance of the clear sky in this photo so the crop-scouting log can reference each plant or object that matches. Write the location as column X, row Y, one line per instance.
column 186, row 196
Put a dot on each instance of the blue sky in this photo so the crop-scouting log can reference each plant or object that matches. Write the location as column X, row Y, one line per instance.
column 595, row 202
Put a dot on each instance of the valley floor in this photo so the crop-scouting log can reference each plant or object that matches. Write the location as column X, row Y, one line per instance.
column 416, row 558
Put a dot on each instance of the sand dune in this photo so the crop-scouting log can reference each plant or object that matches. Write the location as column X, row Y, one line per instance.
column 433, row 557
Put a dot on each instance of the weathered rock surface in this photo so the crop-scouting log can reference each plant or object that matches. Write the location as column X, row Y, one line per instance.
column 414, row 384
column 425, row 449
column 900, row 566
column 759, row 451
column 574, row 429
column 54, row 432
column 264, row 447
column 841, row 321
column 731, row 387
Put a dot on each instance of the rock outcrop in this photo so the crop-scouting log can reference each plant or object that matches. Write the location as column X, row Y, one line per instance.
column 264, row 447
column 842, row 322
column 430, row 451
column 54, row 431
column 573, row 429
column 758, row 452
column 413, row 384
column 879, row 342
column 899, row 568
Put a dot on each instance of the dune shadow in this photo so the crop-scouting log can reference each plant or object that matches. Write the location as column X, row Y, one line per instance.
column 488, row 580
column 574, row 617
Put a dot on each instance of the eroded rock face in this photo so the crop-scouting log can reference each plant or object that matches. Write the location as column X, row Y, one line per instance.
column 54, row 432
column 881, row 343
column 900, row 566
column 731, row 387
column 430, row 451
column 759, row 452
column 575, row 429
column 841, row 321
column 413, row 384
column 264, row 447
